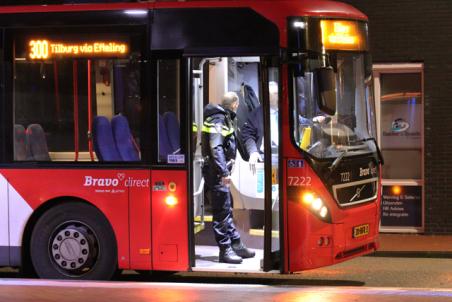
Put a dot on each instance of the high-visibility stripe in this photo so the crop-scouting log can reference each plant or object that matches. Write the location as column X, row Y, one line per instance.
column 214, row 130
column 215, row 125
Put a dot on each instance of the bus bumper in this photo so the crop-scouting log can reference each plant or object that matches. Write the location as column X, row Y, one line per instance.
column 327, row 244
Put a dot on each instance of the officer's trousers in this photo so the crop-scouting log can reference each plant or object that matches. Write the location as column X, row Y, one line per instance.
column 221, row 201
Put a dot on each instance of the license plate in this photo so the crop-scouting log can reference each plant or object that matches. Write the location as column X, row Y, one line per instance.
column 360, row 230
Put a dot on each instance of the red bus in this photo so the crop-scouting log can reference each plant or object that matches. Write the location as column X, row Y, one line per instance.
column 102, row 113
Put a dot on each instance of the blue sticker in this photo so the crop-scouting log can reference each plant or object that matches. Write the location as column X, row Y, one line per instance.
column 295, row 163
column 176, row 159
column 260, row 181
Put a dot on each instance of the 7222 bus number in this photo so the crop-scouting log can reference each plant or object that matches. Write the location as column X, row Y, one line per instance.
column 299, row 181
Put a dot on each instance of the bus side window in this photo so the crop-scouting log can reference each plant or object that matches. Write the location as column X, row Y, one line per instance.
column 169, row 112
column 58, row 100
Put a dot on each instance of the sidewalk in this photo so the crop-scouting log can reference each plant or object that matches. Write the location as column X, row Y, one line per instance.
column 414, row 245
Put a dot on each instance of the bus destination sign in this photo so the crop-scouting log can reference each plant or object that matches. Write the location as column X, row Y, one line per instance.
column 46, row 49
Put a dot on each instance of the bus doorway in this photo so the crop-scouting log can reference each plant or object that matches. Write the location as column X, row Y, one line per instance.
column 254, row 176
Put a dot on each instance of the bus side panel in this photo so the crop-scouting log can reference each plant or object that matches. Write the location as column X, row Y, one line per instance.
column 169, row 222
column 4, row 227
column 140, row 219
column 105, row 189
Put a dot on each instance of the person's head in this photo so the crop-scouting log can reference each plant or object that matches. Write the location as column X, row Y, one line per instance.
column 273, row 91
column 230, row 101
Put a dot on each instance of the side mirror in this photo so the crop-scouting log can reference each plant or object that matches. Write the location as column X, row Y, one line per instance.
column 326, row 80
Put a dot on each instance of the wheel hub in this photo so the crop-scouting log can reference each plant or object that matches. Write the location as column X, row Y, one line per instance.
column 70, row 248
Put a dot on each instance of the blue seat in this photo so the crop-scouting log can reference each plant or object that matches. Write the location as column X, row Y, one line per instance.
column 21, row 149
column 173, row 130
column 103, row 141
column 164, row 143
column 37, row 141
column 124, row 139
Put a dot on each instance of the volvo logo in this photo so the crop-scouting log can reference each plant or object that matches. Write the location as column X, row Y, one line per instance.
column 357, row 193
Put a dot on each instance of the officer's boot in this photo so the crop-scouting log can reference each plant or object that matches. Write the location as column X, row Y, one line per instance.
column 240, row 249
column 227, row 255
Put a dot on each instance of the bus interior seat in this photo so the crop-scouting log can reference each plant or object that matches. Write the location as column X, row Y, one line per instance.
column 103, row 141
column 21, row 149
column 37, row 141
column 123, row 138
column 164, row 143
column 173, row 130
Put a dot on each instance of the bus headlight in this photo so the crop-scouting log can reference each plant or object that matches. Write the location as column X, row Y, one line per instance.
column 316, row 205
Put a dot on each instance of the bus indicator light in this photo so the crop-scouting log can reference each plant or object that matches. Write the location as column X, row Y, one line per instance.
column 171, row 201
column 307, row 198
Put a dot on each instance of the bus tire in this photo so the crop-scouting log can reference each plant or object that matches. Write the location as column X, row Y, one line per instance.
column 73, row 240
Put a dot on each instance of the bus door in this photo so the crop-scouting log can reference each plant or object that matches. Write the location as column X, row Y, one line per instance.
column 271, row 110
column 252, row 201
column 169, row 201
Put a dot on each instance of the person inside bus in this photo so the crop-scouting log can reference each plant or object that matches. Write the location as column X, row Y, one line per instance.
column 253, row 129
column 219, row 152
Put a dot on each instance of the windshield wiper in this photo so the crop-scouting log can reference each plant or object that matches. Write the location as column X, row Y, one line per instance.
column 337, row 161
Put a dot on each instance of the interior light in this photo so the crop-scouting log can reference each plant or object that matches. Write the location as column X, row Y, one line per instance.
column 299, row 24
column 136, row 12
column 170, row 200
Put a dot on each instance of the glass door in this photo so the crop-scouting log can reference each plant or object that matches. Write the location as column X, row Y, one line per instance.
column 399, row 101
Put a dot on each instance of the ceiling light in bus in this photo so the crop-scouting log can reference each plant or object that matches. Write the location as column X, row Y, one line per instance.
column 299, row 24
column 136, row 12
column 171, row 200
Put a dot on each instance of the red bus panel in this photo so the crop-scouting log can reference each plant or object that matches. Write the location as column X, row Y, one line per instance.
column 140, row 219
column 169, row 220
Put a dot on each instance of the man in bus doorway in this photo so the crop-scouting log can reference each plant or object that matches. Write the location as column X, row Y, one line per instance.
column 253, row 129
column 219, row 151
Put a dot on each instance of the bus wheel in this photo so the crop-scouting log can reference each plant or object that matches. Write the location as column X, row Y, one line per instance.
column 73, row 241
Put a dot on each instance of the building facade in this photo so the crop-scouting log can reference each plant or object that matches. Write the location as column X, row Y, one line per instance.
column 419, row 33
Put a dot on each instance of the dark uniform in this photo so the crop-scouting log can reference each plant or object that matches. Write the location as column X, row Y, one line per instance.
column 219, row 151
column 253, row 131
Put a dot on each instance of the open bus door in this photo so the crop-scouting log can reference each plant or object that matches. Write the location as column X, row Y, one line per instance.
column 271, row 109
column 255, row 195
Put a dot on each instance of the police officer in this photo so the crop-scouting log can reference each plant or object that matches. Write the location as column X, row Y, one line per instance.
column 219, row 151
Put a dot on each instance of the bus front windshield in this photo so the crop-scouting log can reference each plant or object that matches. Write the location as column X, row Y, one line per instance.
column 349, row 131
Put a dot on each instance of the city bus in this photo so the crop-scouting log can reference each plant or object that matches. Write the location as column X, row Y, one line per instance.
column 101, row 123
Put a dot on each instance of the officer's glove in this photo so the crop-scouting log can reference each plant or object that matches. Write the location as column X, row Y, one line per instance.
column 255, row 157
